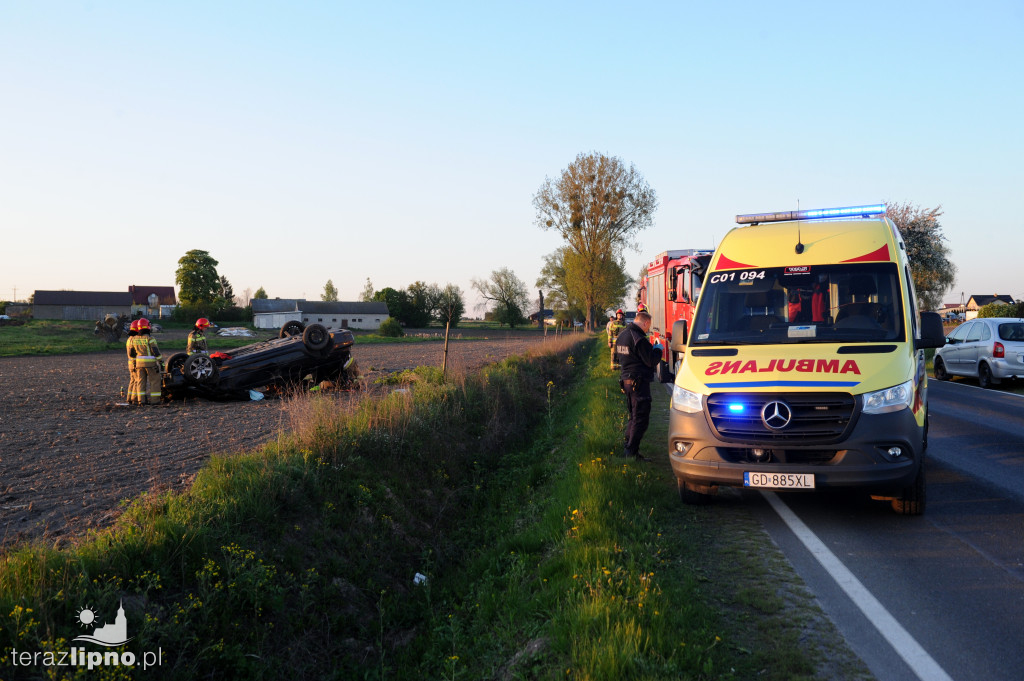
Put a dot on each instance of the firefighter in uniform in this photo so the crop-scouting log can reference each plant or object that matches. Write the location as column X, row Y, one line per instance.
column 196, row 339
column 144, row 349
column 614, row 328
column 638, row 359
column 133, row 372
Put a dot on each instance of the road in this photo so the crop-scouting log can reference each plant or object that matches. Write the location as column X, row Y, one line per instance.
column 939, row 596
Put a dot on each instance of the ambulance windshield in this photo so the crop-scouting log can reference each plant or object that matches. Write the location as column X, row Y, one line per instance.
column 845, row 303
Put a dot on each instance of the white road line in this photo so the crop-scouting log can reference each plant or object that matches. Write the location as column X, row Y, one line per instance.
column 899, row 638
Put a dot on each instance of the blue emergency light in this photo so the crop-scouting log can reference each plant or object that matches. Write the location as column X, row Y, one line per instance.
column 817, row 214
column 736, row 407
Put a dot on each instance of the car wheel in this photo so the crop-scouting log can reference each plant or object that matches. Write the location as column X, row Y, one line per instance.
column 910, row 501
column 695, row 495
column 316, row 337
column 985, row 379
column 940, row 370
column 200, row 369
column 292, row 328
column 176, row 364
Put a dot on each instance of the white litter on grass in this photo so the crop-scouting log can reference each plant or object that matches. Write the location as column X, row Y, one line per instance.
column 236, row 331
column 255, row 396
column 419, row 578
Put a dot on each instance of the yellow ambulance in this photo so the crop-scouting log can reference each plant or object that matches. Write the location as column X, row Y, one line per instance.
column 804, row 365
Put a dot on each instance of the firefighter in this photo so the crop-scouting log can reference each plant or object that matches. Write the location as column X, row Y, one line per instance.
column 133, row 373
column 638, row 359
column 615, row 325
column 196, row 339
column 144, row 349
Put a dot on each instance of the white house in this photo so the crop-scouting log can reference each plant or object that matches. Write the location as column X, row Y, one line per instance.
column 273, row 314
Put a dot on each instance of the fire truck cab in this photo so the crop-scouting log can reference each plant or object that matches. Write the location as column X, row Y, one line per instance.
column 670, row 291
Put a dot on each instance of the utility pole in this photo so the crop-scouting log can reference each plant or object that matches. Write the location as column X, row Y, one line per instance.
column 15, row 298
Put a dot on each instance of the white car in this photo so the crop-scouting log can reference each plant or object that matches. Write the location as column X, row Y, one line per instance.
column 990, row 349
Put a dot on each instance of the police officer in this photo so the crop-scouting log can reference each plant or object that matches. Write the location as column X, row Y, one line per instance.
column 638, row 359
column 196, row 339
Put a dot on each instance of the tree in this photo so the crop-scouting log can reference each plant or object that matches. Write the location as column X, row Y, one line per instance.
column 450, row 306
column 260, row 294
column 397, row 302
column 563, row 272
column 598, row 205
column 330, row 294
column 507, row 292
column 420, row 301
column 197, row 279
column 930, row 266
column 367, row 295
column 226, row 291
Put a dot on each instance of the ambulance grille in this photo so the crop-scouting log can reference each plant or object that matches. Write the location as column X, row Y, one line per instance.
column 816, row 417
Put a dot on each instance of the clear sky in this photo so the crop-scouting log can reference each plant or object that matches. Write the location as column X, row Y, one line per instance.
column 301, row 142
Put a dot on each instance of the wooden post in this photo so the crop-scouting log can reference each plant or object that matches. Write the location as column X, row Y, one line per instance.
column 444, row 361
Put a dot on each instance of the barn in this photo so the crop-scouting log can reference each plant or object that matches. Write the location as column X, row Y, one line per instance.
column 80, row 305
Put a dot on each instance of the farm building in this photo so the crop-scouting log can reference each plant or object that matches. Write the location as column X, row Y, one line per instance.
column 272, row 314
column 80, row 305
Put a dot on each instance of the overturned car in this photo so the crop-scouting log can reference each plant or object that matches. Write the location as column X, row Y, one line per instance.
column 301, row 354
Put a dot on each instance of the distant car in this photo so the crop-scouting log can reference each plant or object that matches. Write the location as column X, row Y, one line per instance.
column 298, row 352
column 989, row 348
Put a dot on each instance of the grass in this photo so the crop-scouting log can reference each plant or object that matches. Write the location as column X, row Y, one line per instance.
column 542, row 556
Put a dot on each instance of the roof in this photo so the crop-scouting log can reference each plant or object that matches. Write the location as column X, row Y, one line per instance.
column 994, row 298
column 343, row 307
column 773, row 244
column 140, row 294
column 112, row 298
column 268, row 306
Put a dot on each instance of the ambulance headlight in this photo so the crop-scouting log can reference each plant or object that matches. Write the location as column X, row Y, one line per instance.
column 685, row 400
column 891, row 399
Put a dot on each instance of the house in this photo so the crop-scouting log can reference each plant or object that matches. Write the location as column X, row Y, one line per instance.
column 975, row 302
column 80, row 305
column 272, row 314
column 144, row 302
column 549, row 317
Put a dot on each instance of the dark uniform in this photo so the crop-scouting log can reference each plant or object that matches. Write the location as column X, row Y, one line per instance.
column 638, row 359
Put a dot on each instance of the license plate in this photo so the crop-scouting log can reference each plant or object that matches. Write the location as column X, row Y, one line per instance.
column 779, row 480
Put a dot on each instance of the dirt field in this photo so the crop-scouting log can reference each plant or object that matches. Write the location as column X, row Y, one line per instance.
column 70, row 452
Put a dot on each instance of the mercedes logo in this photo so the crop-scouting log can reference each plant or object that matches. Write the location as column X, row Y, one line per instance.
column 776, row 415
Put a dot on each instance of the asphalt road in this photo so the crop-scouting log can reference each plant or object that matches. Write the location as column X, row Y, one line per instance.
column 939, row 596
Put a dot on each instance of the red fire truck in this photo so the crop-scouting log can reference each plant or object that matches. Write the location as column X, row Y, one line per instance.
column 670, row 292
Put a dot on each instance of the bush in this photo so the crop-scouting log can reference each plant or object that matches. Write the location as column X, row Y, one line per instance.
column 392, row 328
column 1002, row 310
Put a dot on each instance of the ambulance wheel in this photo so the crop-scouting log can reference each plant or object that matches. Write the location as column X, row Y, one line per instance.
column 940, row 370
column 316, row 337
column 695, row 495
column 910, row 500
column 200, row 369
column 292, row 328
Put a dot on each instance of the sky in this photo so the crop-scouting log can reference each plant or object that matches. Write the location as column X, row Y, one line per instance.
column 304, row 142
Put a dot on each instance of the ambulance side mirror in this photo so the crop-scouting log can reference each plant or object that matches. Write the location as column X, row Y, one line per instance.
column 932, row 333
column 678, row 341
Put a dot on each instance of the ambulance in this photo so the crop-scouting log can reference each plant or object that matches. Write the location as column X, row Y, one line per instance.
column 804, row 365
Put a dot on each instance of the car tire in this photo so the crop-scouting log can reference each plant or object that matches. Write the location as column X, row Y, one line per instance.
column 176, row 364
column 316, row 337
column 695, row 495
column 200, row 369
column 911, row 499
column 292, row 328
column 939, row 367
column 985, row 379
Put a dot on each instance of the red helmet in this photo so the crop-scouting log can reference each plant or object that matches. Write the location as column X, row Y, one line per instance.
column 618, row 312
column 134, row 326
column 142, row 323
column 641, row 307
column 202, row 323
